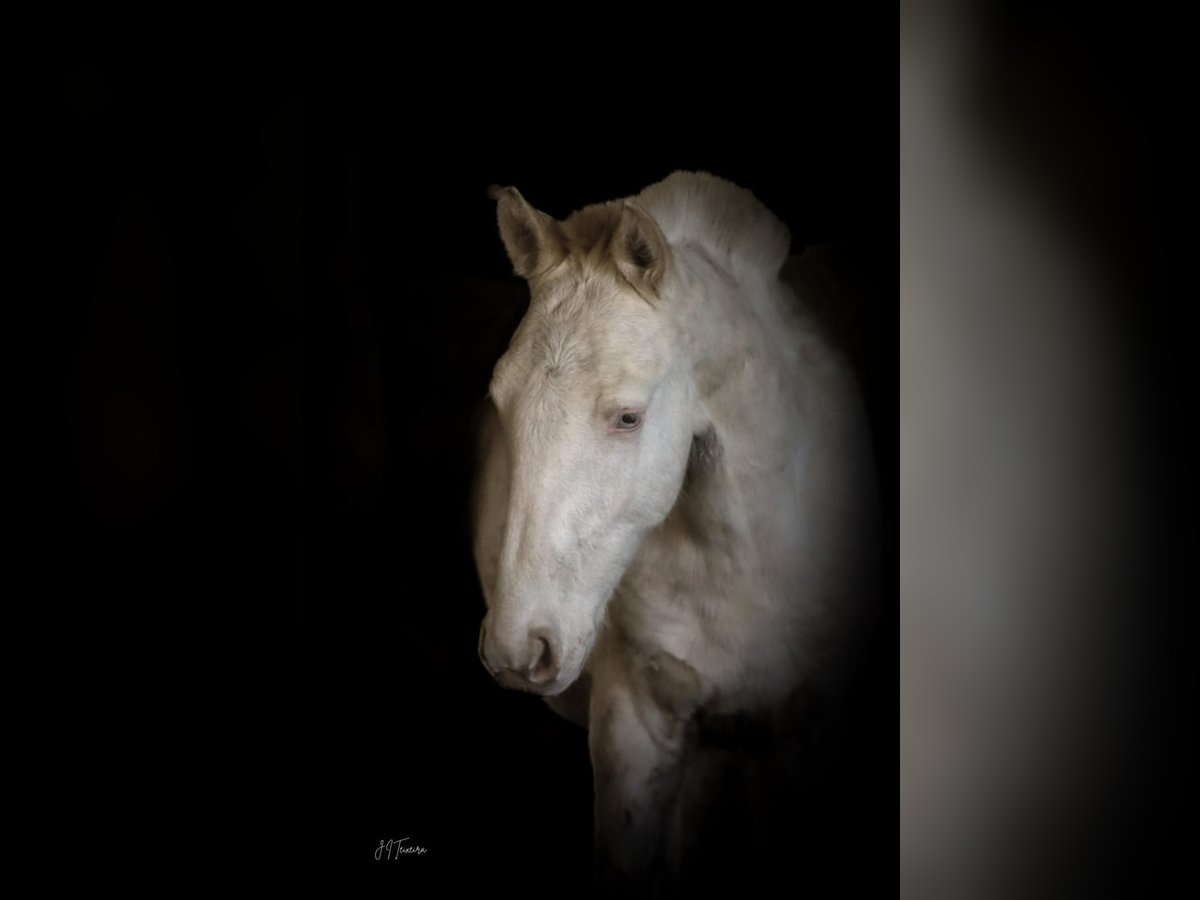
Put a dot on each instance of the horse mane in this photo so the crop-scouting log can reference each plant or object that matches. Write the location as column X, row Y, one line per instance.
column 728, row 221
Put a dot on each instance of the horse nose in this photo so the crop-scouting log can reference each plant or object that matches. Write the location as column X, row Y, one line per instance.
column 545, row 658
column 533, row 660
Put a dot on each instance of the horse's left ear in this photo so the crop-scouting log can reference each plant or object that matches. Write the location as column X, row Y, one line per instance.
column 640, row 250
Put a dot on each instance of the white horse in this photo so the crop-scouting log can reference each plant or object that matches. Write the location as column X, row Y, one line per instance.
column 675, row 499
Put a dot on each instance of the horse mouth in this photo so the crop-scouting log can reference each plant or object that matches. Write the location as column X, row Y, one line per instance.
column 516, row 681
column 513, row 681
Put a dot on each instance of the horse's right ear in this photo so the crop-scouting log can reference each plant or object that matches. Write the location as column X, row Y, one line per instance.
column 533, row 239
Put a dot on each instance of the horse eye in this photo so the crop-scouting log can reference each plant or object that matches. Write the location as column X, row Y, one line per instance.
column 628, row 421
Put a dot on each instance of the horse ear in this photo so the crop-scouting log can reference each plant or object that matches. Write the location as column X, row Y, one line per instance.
column 640, row 249
column 533, row 239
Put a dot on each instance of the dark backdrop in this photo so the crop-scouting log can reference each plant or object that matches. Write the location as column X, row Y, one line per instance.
column 285, row 297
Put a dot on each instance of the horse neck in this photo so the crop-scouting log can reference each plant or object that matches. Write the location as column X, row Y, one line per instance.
column 784, row 442
column 743, row 344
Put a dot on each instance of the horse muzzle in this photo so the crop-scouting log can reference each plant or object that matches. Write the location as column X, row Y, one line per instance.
column 532, row 662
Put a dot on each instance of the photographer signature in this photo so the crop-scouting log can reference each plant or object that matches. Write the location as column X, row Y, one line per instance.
column 395, row 849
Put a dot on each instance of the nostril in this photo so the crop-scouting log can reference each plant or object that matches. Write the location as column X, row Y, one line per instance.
column 545, row 665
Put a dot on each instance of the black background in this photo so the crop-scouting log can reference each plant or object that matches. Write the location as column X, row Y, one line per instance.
column 285, row 296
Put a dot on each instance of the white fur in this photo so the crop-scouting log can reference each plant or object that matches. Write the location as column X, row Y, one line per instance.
column 724, row 594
